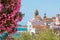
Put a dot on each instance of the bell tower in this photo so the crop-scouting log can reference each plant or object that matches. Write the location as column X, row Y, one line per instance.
column 44, row 15
column 36, row 12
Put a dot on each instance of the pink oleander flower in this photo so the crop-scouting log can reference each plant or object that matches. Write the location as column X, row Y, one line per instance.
column 1, row 6
column 8, row 29
column 9, row 15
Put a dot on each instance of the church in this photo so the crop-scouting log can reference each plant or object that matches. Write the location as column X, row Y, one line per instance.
column 36, row 24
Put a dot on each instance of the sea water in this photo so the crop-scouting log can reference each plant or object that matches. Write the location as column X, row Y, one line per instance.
column 20, row 29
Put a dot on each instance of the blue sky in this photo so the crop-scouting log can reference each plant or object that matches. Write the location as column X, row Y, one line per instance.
column 50, row 7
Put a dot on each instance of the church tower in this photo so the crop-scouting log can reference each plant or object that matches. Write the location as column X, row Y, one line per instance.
column 44, row 15
column 37, row 14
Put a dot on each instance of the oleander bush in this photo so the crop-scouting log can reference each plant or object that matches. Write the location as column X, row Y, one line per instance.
column 9, row 16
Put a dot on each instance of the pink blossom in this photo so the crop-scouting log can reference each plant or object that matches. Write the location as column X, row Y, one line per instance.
column 8, row 13
column 8, row 29
column 1, row 6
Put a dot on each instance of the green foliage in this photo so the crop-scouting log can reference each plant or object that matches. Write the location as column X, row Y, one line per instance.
column 47, row 35
column 25, row 36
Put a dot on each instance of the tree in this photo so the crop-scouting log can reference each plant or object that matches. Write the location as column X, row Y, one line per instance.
column 9, row 16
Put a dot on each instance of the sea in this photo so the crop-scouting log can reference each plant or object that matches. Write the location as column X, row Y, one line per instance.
column 20, row 29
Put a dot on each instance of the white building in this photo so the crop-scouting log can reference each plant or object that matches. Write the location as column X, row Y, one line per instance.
column 58, row 19
column 33, row 25
column 30, row 27
column 56, row 22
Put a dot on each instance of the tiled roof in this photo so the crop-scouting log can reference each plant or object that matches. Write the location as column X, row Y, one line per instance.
column 39, row 27
column 54, row 17
column 48, row 20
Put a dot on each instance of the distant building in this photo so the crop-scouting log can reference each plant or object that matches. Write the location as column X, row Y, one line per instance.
column 38, row 24
column 35, row 24
column 58, row 19
column 56, row 23
column 47, row 21
column 30, row 27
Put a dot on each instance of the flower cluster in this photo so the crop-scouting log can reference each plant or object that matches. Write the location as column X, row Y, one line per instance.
column 9, row 15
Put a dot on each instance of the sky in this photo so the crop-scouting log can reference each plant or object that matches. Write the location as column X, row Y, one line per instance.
column 28, row 7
